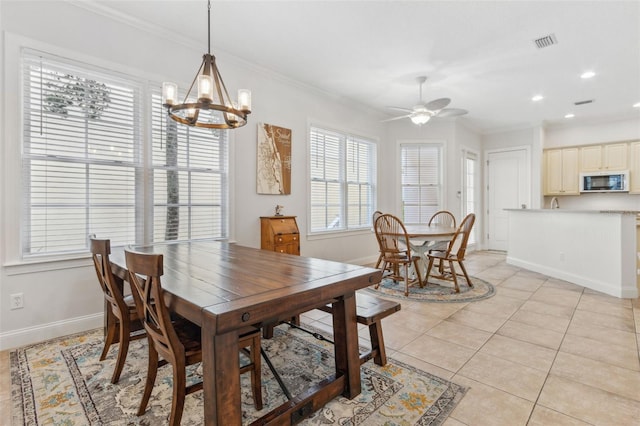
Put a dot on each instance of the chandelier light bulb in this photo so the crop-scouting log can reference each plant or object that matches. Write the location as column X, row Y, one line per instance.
column 205, row 88
column 244, row 100
column 169, row 93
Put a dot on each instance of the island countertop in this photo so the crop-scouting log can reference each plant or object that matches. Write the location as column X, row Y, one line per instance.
column 633, row 212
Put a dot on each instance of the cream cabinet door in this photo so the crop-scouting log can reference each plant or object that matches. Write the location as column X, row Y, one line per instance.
column 561, row 172
column 570, row 172
column 634, row 168
column 615, row 156
column 591, row 158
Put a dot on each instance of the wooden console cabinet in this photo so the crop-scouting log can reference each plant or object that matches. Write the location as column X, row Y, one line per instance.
column 280, row 234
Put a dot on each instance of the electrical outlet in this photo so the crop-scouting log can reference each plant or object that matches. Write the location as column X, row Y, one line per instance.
column 561, row 256
column 17, row 301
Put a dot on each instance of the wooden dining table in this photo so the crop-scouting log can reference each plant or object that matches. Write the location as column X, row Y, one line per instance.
column 224, row 287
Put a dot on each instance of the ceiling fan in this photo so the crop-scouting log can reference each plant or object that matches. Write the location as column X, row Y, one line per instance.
column 423, row 112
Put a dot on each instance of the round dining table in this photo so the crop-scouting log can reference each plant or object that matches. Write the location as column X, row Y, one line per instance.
column 421, row 237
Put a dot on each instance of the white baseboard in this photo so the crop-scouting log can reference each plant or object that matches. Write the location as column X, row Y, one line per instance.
column 30, row 335
column 364, row 261
column 625, row 292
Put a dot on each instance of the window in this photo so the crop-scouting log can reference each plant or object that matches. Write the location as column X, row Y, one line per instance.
column 343, row 179
column 88, row 167
column 469, row 186
column 189, row 179
column 421, row 181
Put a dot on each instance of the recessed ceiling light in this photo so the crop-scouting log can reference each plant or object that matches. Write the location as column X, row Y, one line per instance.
column 537, row 98
column 569, row 116
column 587, row 74
column 636, row 105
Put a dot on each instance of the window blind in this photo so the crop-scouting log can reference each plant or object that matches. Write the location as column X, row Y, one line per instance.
column 80, row 155
column 421, row 181
column 343, row 173
column 189, row 179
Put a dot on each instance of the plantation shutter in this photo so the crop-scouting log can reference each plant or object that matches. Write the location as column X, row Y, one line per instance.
column 189, row 179
column 326, row 180
column 361, row 172
column 343, row 176
column 80, row 155
column 421, row 181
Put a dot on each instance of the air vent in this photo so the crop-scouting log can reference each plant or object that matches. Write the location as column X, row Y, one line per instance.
column 583, row 102
column 546, row 41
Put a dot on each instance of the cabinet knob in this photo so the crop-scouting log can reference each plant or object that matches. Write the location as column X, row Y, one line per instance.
column 281, row 251
column 295, row 238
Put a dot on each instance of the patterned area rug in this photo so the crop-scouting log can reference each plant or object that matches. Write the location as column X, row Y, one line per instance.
column 438, row 291
column 62, row 382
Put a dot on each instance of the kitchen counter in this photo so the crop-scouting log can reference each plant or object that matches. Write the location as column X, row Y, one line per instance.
column 597, row 249
column 632, row 212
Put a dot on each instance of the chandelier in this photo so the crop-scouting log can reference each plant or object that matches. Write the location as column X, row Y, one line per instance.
column 213, row 107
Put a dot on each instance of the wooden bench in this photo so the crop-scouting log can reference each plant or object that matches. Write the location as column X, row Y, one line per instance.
column 370, row 310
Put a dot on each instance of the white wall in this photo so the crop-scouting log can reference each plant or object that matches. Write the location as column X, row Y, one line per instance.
column 586, row 134
column 63, row 296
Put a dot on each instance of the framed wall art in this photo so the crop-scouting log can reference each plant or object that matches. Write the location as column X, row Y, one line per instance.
column 274, row 160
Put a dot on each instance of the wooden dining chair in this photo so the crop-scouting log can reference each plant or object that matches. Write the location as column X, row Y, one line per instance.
column 396, row 250
column 126, row 324
column 455, row 252
column 444, row 218
column 375, row 217
column 176, row 339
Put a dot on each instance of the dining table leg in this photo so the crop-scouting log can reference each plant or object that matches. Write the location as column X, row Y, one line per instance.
column 347, row 357
column 220, row 376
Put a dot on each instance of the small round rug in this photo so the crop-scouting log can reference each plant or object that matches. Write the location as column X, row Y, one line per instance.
column 437, row 291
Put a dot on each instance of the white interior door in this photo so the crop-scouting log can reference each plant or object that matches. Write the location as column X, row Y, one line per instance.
column 508, row 187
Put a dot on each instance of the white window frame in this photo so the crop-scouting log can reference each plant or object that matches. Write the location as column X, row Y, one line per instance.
column 346, row 138
column 441, row 145
column 144, row 200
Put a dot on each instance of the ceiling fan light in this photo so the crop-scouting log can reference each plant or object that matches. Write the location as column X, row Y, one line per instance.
column 420, row 119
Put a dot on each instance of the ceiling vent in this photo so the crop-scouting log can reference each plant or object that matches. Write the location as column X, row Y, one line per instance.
column 546, row 41
column 583, row 102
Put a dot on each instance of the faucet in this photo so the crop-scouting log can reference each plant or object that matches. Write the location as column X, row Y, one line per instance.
column 554, row 203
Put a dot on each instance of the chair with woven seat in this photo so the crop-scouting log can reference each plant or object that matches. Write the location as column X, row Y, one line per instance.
column 396, row 250
column 177, row 340
column 455, row 252
column 126, row 324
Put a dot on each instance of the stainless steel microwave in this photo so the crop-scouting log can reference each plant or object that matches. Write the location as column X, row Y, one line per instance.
column 605, row 181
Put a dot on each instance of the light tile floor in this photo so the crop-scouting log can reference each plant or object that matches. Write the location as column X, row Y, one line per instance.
column 540, row 352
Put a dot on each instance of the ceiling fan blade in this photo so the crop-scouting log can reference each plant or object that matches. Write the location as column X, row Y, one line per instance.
column 437, row 104
column 451, row 112
column 400, row 109
column 396, row 118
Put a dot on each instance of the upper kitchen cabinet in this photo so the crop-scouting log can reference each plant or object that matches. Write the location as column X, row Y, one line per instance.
column 634, row 167
column 561, row 172
column 596, row 158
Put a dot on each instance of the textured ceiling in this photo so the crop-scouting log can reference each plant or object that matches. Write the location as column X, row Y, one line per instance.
column 480, row 54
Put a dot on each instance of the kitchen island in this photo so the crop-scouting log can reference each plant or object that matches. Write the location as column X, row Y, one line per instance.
column 597, row 249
